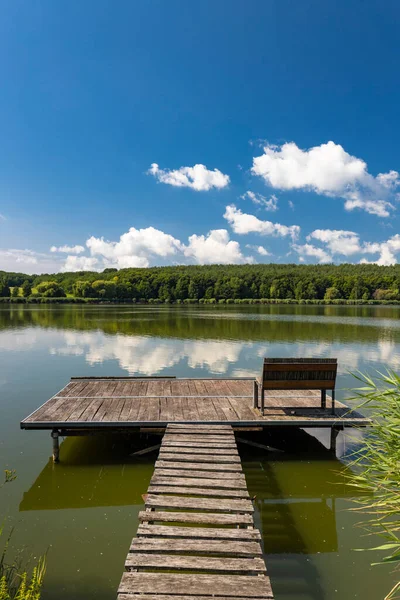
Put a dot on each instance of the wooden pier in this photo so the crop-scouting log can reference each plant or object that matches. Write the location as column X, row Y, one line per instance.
column 126, row 402
column 196, row 537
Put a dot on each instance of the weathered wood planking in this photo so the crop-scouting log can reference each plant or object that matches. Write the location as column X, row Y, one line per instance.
column 227, row 556
column 124, row 403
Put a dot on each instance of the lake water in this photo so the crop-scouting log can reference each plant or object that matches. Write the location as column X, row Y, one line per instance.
column 84, row 510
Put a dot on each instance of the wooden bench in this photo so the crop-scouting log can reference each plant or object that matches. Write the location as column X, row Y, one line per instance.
column 297, row 374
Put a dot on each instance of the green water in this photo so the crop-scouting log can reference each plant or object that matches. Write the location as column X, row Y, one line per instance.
column 84, row 510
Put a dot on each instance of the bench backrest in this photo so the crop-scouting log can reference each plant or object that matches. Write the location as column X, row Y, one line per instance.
column 299, row 373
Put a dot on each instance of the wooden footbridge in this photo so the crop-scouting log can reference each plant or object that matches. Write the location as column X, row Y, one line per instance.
column 196, row 537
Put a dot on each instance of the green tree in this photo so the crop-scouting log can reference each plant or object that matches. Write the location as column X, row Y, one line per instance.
column 332, row 293
column 15, row 292
column 26, row 289
column 50, row 289
column 4, row 289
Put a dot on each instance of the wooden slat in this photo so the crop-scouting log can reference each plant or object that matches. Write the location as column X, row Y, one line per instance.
column 205, row 451
column 198, row 491
column 196, row 438
column 207, row 428
column 225, row 505
column 200, row 466
column 172, row 597
column 194, row 563
column 198, row 546
column 235, row 483
column 213, row 533
column 204, row 458
column 196, row 517
column 178, row 472
column 179, row 444
column 230, row 586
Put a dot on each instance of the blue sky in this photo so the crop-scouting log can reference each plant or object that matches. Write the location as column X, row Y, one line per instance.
column 290, row 109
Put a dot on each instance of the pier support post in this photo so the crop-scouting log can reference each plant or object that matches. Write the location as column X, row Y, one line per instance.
column 56, row 445
column 334, row 433
column 255, row 394
column 323, row 398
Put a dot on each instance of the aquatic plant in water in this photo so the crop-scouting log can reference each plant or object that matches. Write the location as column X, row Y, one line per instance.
column 14, row 584
column 376, row 466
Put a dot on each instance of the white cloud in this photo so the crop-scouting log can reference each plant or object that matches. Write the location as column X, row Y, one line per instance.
column 309, row 250
column 260, row 249
column 338, row 241
column 3, row 217
column 387, row 250
column 243, row 223
column 27, row 261
column 216, row 247
column 198, row 177
column 271, row 204
column 81, row 263
column 135, row 248
column 68, row 249
column 347, row 243
column 327, row 170
column 291, row 204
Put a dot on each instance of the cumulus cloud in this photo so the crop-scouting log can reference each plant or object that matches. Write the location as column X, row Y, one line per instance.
column 260, row 249
column 270, row 204
column 68, row 249
column 347, row 243
column 387, row 251
column 327, row 170
column 198, row 177
column 135, row 248
column 338, row 241
column 216, row 247
column 81, row 263
column 243, row 223
column 308, row 250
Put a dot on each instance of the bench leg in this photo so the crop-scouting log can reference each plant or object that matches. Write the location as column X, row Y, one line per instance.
column 323, row 398
column 255, row 394
column 262, row 401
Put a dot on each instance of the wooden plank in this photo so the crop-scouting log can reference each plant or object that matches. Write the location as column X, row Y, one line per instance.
column 221, row 475
column 227, row 505
column 190, row 481
column 226, row 467
column 198, row 491
column 195, row 517
column 208, row 439
column 198, row 428
column 172, row 597
column 165, row 409
column 218, row 427
column 194, row 563
column 206, row 410
column 226, row 408
column 190, row 413
column 198, row 546
column 210, row 533
column 179, row 444
column 243, row 409
column 202, row 458
column 204, row 451
column 230, row 586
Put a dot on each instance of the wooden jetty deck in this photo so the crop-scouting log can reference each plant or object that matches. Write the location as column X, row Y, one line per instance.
column 196, row 539
column 125, row 403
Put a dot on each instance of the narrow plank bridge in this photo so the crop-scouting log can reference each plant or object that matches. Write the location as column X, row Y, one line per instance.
column 196, row 537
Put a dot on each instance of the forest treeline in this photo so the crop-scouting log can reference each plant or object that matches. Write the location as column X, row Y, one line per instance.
column 212, row 284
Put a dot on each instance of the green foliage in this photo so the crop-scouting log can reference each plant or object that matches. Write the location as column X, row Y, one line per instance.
column 26, row 289
column 272, row 282
column 376, row 466
column 50, row 289
column 4, row 289
column 15, row 292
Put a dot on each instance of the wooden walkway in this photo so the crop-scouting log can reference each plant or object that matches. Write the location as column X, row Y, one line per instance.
column 87, row 403
column 196, row 539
